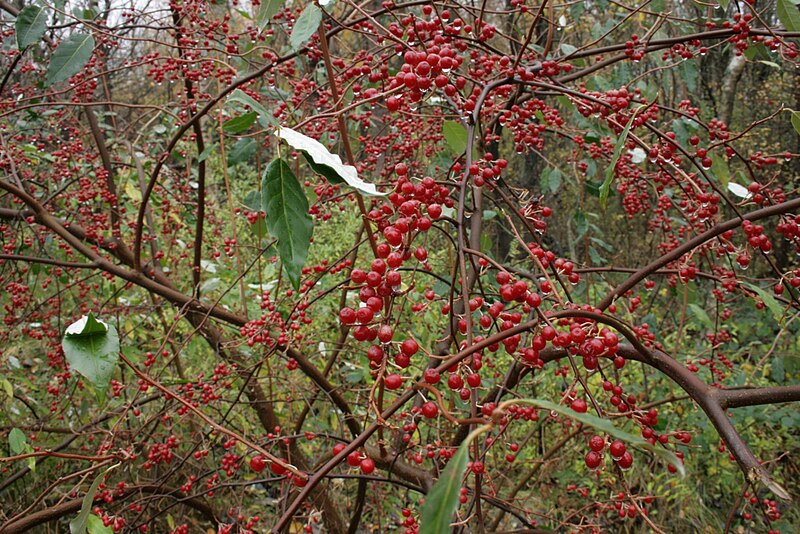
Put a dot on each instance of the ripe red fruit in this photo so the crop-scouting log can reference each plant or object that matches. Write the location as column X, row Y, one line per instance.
column 365, row 315
column 617, row 449
column 339, row 447
column 258, row 463
column 347, row 315
column 474, row 380
column 430, row 410
column 597, row 443
column 434, row 211
column 277, row 468
column 392, row 103
column 579, row 405
column 626, row 461
column 455, row 381
column 385, row 333
column 409, row 347
column 393, row 381
column 367, row 466
column 431, row 376
column 354, row 458
column 593, row 460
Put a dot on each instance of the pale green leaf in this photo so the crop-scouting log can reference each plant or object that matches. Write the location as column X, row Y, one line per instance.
column 94, row 525
column 796, row 121
column 92, row 349
column 456, row 136
column 305, row 26
column 30, row 26
column 69, row 58
column 789, row 15
column 17, row 442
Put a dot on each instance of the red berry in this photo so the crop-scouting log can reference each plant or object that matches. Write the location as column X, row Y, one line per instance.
column 258, row 463
column 430, row 410
column 617, row 449
column 409, row 347
column 393, row 381
column 579, row 405
column 593, row 460
column 367, row 466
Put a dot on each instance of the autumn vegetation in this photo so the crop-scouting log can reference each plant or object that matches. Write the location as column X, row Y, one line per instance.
column 400, row 266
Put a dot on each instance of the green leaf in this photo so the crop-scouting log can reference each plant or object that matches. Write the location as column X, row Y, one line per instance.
column 7, row 387
column 796, row 121
column 768, row 300
column 606, row 426
column 623, row 137
column 242, row 151
column 17, row 442
column 554, row 180
column 69, row 58
column 701, row 316
column 265, row 118
column 324, row 162
column 207, row 152
column 724, row 4
column 567, row 49
column 286, row 206
column 92, row 349
column 441, row 502
column 266, row 10
column 30, row 26
column 81, row 522
column 720, row 168
column 86, row 326
column 455, row 135
column 789, row 15
column 94, row 525
column 305, row 26
column 581, row 224
column 240, row 124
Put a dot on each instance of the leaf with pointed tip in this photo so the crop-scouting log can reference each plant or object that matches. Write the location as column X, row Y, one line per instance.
column 240, row 124
column 30, row 26
column 265, row 118
column 621, row 140
column 286, row 206
column 608, row 427
column 768, row 300
column 441, row 502
column 69, row 58
column 789, row 15
column 324, row 162
column 92, row 349
column 306, row 25
column 456, row 136
column 81, row 521
column 17, row 442
column 796, row 121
